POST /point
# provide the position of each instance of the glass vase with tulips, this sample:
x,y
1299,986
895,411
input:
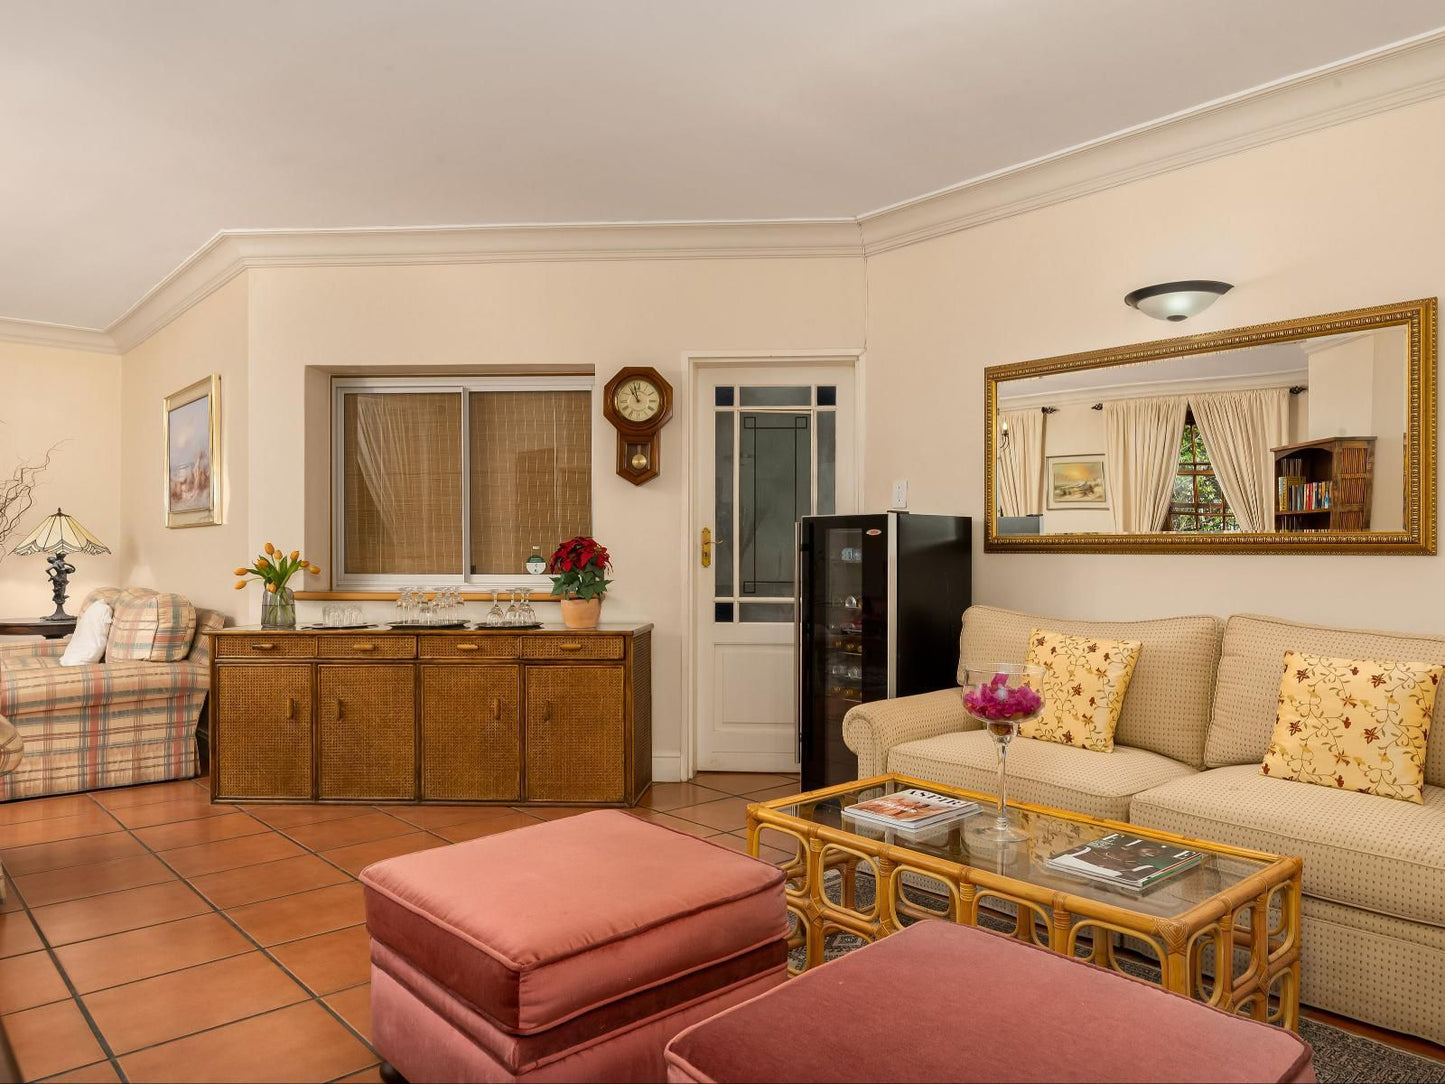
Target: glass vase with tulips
x,y
274,568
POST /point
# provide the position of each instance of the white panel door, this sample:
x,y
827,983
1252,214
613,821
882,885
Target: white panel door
x,y
775,442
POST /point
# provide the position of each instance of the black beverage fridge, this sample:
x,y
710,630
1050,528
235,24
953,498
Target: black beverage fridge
x,y
880,598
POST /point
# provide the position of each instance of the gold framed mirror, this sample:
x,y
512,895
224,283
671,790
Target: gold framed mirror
x,y
1303,436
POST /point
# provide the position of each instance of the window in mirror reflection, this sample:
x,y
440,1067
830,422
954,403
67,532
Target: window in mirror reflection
x,y
1197,503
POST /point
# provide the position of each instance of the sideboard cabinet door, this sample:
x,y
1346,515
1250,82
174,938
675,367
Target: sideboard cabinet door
x,y
575,743
471,742
263,733
366,720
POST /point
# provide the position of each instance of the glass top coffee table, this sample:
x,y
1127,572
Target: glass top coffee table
x,y
1226,931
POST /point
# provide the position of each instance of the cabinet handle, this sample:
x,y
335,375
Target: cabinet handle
x,y
365,647
290,709
569,647
268,646
497,710
466,647
340,709
547,712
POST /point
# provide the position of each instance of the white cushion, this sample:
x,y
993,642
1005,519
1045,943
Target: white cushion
x,y
92,631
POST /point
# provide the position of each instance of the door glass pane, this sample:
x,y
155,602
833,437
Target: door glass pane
x,y
827,462
722,550
774,490
765,612
777,396
844,600
402,474
531,475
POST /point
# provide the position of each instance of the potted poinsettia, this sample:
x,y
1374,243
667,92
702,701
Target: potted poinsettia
x,y
579,580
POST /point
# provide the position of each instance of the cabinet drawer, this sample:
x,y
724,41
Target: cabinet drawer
x,y
487,646
362,646
266,647
573,647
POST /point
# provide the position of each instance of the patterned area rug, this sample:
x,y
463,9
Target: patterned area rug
x,y
1340,1057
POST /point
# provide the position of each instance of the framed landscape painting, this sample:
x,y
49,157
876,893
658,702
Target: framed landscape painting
x,y
193,454
1076,481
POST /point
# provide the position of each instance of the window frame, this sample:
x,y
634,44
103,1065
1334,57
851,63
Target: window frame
x,y
341,386
1192,470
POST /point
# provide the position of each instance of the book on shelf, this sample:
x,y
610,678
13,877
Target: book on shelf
x,y
1129,862
911,810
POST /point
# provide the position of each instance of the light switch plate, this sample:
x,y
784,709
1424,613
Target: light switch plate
x,y
900,494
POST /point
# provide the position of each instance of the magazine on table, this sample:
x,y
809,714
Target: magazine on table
x,y
1130,862
910,810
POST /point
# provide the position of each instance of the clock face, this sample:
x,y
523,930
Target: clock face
x,y
637,399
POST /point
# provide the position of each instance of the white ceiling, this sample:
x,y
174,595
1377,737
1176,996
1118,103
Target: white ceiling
x,y
131,132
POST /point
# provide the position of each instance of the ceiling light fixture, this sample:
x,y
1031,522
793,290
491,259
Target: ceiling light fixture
x,y
1177,300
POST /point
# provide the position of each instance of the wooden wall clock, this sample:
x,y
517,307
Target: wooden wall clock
x,y
638,402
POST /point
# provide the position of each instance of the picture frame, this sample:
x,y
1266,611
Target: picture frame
x,y
191,441
1075,481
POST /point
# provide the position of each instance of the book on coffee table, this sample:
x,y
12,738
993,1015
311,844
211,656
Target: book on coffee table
x,y
1130,862
910,810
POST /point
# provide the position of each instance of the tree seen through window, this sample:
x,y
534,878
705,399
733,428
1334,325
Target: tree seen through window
x,y
1197,503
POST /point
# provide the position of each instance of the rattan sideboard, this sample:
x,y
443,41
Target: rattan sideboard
x,y
471,715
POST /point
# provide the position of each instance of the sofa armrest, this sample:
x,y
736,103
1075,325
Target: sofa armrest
x,y
871,730
31,686
33,649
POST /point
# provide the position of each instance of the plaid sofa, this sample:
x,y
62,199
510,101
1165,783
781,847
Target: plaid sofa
x,y
106,724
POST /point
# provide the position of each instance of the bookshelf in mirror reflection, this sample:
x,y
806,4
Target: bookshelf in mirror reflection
x,y
1324,485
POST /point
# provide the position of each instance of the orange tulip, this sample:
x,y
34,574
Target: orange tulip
x,y
270,549
295,554
242,571
261,562
240,584
315,570
271,587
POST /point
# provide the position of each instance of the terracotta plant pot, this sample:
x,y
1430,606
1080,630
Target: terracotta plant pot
x,y
578,613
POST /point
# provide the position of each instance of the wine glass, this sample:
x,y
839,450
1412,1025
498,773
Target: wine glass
x,y
529,615
495,617
513,611
1003,697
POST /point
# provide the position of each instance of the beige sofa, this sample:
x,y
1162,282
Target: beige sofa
x,y
1195,723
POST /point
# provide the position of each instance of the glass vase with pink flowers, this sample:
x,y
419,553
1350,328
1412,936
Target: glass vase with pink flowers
x,y
1002,697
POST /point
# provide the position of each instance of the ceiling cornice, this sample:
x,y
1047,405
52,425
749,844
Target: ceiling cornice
x,y
1397,75
233,251
60,336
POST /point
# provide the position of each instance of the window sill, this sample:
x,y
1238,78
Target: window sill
x,y
390,596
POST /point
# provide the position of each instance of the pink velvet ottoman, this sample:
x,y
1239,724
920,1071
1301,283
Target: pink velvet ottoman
x,y
940,1002
569,950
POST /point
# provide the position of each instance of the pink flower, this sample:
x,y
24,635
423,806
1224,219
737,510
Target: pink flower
x,y
998,700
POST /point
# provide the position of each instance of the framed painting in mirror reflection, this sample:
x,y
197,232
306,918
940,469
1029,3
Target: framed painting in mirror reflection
x,y
1077,481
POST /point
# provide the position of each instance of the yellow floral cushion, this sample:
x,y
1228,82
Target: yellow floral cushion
x,y
1084,682
1355,724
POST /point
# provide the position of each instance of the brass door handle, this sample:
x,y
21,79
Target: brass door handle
x,y
569,647
497,710
707,547
340,709
268,646
365,647
466,647
290,709
547,712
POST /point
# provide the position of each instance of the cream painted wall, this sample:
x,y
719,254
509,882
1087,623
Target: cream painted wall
x,y
1337,219
65,398
597,314
195,561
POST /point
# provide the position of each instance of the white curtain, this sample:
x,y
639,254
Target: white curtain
x,y
1020,463
1141,443
1240,429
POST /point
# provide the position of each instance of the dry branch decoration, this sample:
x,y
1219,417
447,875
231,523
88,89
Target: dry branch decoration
x,y
17,495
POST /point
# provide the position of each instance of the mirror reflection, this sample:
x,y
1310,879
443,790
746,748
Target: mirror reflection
x,y
1293,437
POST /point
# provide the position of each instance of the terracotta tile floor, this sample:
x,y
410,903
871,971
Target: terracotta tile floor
x,y
150,935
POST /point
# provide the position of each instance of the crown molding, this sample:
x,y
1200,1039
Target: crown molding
x,y
232,251
59,336
1396,75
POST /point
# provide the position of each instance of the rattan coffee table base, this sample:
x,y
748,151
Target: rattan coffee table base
x,y
1238,949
